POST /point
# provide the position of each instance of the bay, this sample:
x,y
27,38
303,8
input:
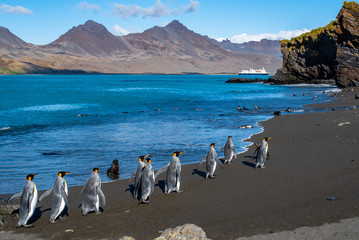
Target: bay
x,y
52,123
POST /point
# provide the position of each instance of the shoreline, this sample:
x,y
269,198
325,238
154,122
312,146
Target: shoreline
x,y
312,158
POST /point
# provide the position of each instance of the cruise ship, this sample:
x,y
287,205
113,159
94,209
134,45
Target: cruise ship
x,y
252,71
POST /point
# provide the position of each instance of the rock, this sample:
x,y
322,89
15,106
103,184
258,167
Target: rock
x,y
343,124
277,113
246,126
126,238
325,54
245,80
184,232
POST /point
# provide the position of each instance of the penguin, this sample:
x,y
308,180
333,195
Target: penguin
x,y
59,198
229,151
147,181
211,161
28,201
262,153
92,194
173,179
136,175
114,170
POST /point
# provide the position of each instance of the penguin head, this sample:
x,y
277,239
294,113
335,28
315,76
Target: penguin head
x,y
148,160
31,176
142,158
266,138
212,144
62,173
95,170
229,137
176,154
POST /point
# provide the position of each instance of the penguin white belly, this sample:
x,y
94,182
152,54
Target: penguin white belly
x,y
32,204
97,204
214,167
178,184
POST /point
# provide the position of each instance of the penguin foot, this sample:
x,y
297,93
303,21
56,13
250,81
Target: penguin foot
x,y
63,217
27,225
179,191
212,176
52,221
98,212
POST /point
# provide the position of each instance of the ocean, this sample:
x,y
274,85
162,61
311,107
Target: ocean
x,y
52,123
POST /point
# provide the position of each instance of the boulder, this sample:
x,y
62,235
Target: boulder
x,y
184,232
324,55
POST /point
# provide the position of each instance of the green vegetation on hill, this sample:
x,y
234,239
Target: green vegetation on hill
x,y
313,35
351,6
8,71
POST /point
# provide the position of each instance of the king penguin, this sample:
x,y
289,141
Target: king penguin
x,y
59,198
229,151
262,153
92,194
173,179
136,175
147,181
211,161
28,201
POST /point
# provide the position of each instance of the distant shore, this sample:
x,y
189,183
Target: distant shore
x,y
313,158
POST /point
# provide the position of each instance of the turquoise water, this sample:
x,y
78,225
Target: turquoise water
x,y
123,117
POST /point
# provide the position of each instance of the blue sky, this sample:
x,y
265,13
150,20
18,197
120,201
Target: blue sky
x,y
43,21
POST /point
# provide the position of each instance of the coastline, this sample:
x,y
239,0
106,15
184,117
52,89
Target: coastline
x,y
312,158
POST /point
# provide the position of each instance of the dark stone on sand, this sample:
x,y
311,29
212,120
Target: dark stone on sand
x,y
324,55
245,80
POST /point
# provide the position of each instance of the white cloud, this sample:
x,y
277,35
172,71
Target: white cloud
x,y
87,6
244,37
15,9
120,31
190,7
127,11
159,9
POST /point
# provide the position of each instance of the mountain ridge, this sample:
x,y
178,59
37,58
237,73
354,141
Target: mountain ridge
x,y
90,47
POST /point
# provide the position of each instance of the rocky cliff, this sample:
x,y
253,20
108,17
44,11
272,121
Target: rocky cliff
x,y
324,54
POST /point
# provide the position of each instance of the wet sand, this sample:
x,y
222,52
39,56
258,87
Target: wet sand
x,y
311,159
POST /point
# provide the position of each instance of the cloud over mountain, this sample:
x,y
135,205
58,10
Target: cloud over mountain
x,y
85,6
15,10
244,37
159,9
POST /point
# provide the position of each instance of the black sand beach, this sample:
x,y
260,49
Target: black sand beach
x,y
311,159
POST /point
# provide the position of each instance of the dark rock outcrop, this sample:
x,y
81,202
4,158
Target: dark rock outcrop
x,y
324,54
246,80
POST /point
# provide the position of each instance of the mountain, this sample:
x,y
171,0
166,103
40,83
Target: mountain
x,y
9,40
91,39
173,40
326,54
265,47
91,48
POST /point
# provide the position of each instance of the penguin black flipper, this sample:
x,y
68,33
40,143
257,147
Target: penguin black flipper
x,y
219,162
163,169
222,149
101,196
16,195
45,194
64,196
132,177
202,161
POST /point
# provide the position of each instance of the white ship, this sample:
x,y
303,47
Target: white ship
x,y
252,71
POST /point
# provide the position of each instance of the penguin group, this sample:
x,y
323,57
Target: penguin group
x,y
142,179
